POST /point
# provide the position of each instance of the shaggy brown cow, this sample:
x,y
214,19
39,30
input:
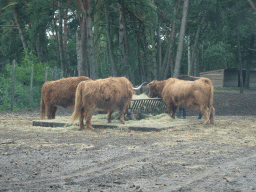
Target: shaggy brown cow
x,y
102,94
58,93
187,94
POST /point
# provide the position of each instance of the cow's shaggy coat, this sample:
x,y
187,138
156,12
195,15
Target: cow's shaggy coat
x,y
182,109
187,94
58,93
102,94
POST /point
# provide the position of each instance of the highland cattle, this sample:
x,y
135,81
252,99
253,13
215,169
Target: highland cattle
x,y
58,93
103,94
187,94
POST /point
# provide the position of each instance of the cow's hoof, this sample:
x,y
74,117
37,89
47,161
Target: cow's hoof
x,y
206,122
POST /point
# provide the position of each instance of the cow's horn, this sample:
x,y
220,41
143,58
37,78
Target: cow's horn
x,y
138,88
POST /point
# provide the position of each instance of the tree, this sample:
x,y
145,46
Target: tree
x,y
123,41
181,39
81,35
109,41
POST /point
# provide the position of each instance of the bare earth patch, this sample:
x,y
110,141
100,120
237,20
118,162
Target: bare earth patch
x,y
218,157
194,157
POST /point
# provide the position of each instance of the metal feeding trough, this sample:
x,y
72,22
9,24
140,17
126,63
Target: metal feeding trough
x,y
149,105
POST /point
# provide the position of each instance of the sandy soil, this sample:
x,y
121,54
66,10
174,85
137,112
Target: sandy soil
x,y
218,157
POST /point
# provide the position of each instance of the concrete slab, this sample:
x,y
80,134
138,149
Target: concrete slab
x,y
160,128
43,123
157,128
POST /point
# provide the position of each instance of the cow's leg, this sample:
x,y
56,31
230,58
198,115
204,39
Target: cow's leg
x,y
206,113
42,109
179,112
122,110
88,116
169,110
200,115
49,111
212,115
121,114
109,116
184,113
174,108
81,119
54,109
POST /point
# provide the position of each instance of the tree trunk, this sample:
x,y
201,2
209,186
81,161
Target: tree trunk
x,y
159,50
168,59
60,36
80,53
65,40
146,55
202,57
90,46
56,32
139,55
110,47
181,39
240,62
249,61
154,53
82,66
123,40
20,30
13,85
98,54
31,86
190,67
194,50
38,50
41,46
195,63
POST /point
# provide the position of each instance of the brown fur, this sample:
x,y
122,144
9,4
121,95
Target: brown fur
x,y
102,94
58,93
187,94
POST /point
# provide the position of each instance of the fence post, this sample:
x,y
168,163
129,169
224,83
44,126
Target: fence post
x,y
31,86
13,84
52,75
46,74
55,73
61,74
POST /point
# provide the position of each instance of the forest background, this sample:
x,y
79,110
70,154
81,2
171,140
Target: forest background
x,y
140,39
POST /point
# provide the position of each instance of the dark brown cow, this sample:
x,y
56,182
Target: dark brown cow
x,y
102,94
187,94
58,93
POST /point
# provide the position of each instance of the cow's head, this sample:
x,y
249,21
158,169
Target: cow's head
x,y
154,89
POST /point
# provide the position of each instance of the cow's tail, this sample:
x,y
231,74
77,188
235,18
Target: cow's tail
x,y
42,108
209,82
78,103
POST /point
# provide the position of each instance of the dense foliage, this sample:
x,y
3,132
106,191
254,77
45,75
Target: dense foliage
x,y
133,38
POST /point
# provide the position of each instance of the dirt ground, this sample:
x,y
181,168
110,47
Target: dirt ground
x,y
219,157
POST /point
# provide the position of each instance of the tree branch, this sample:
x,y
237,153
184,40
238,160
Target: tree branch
x,y
252,4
